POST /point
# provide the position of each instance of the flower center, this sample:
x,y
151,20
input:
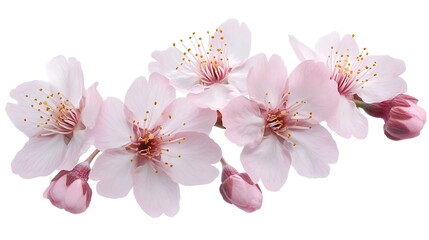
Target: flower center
x,y
57,114
146,145
281,120
210,62
350,72
149,146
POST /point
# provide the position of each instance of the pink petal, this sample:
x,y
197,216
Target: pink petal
x,y
267,81
386,84
348,120
309,85
215,97
152,96
243,121
113,130
57,193
40,156
301,50
92,105
79,144
182,115
155,192
315,149
269,161
189,161
114,169
238,75
166,63
75,200
68,77
25,115
29,92
238,39
244,195
331,43
24,119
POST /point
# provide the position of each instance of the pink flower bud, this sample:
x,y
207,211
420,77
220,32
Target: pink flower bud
x,y
69,190
402,116
406,118
238,189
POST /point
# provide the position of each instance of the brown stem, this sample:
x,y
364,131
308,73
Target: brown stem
x,y
223,162
92,156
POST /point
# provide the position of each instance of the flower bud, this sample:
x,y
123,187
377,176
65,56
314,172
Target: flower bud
x,y
402,116
238,189
69,190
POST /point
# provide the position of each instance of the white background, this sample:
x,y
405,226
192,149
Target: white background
x,y
377,190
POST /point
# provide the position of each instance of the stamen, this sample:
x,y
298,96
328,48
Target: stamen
x,y
212,66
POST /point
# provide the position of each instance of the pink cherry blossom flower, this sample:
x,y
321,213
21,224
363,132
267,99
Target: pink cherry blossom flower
x,y
69,190
57,116
372,78
402,116
151,144
279,125
239,190
213,72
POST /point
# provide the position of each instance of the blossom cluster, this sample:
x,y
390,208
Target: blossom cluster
x,y
151,142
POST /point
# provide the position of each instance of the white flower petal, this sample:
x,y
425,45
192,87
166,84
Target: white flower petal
x,y
114,169
216,97
387,83
155,192
189,161
301,50
348,120
166,63
243,121
315,149
147,100
267,82
182,115
79,143
68,77
30,97
238,39
309,86
238,75
92,105
324,47
40,156
269,161
112,130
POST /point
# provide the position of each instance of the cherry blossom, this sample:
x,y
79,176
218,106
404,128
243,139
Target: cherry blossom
x,y
57,116
212,70
151,143
239,190
356,73
69,190
403,118
279,125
